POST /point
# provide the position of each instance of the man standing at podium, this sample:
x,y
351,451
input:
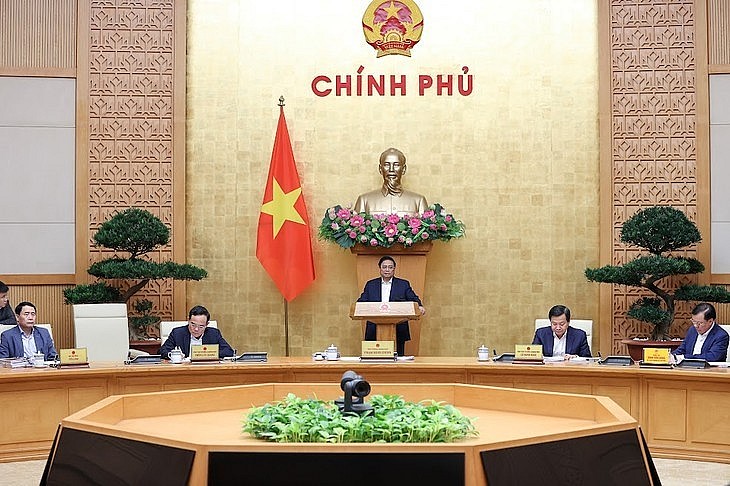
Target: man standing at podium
x,y
389,288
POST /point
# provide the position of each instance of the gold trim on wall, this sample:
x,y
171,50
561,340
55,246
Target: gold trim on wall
x,y
39,279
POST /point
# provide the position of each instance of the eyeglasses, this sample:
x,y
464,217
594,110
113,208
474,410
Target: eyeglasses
x,y
197,326
696,323
387,267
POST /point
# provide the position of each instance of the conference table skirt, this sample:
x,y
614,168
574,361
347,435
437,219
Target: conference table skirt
x,y
683,413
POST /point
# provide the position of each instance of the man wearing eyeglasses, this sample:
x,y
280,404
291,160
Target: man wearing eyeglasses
x,y
704,340
196,332
389,288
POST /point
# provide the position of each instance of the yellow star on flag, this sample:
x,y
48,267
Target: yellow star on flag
x,y
281,207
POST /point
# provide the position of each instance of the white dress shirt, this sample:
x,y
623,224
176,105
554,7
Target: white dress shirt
x,y
701,338
559,344
385,289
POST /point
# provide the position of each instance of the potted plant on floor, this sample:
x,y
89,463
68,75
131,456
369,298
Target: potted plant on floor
x,y
136,232
659,231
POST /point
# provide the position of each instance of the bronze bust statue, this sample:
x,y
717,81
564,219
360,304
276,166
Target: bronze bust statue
x,y
391,198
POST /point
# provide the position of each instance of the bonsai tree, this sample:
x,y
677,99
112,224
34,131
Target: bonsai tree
x,y
137,232
141,322
660,230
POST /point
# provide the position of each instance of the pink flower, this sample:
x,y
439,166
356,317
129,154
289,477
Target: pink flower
x,y
362,229
343,213
448,218
368,222
356,220
424,235
391,230
414,223
408,242
390,240
352,234
363,239
401,239
443,227
428,214
331,213
393,218
432,227
335,226
373,242
415,231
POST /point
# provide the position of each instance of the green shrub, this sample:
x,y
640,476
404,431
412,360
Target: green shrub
x,y
392,420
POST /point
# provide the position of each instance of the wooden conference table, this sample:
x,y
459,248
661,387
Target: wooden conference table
x,y
684,414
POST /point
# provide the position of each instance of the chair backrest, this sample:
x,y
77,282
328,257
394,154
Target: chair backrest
x,y
582,324
5,327
727,329
166,327
103,330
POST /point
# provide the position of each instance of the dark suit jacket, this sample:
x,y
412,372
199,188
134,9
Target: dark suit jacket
x,y
11,344
400,291
713,349
7,315
576,341
180,337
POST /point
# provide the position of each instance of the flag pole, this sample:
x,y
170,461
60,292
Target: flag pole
x,y
286,302
286,326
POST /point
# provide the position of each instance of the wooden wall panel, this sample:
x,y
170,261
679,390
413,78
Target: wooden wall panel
x,y
718,38
649,128
38,37
131,91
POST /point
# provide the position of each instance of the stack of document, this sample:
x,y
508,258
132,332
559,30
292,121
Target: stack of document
x,y
14,362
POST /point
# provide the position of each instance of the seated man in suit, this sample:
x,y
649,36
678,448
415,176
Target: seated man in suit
x,y
7,316
196,332
24,340
560,339
704,340
389,288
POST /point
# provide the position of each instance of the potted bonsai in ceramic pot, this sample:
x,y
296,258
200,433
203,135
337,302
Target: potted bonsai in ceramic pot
x,y
136,232
660,231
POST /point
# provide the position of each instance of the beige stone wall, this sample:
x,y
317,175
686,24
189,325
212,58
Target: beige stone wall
x,y
517,161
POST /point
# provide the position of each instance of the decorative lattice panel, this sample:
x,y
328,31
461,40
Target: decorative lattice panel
x,y
130,144
653,113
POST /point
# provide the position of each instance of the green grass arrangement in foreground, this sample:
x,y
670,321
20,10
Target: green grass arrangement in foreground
x,y
393,419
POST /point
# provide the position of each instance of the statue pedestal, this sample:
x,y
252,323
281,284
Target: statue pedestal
x,y
410,265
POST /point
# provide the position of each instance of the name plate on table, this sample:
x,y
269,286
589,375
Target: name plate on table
x,y
657,356
403,310
73,357
377,350
528,353
203,353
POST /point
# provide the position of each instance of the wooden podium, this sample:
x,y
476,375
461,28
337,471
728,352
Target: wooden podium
x,y
385,316
410,265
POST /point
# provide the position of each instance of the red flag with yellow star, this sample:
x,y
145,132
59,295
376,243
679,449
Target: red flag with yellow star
x,y
283,244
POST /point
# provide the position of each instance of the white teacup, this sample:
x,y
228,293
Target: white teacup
x,y
39,360
176,356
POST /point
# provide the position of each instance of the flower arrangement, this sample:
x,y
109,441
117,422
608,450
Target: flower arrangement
x,y
347,228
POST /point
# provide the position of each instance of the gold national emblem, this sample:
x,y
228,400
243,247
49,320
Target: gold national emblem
x,y
392,27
